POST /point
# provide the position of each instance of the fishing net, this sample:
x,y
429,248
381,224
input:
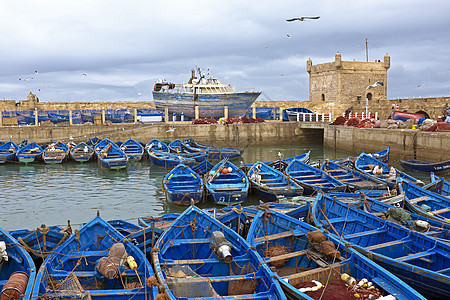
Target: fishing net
x,y
276,251
15,286
242,287
184,282
315,238
108,266
398,215
67,289
336,290
329,250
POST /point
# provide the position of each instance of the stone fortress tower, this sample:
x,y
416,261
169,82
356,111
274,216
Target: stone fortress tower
x,y
346,81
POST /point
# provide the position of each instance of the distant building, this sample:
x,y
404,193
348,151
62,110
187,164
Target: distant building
x,y
345,81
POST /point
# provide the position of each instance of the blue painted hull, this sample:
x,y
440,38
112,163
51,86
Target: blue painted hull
x,y
210,105
80,254
18,261
419,260
8,152
30,153
271,228
82,153
438,185
114,158
186,245
426,167
182,186
226,189
218,153
168,160
133,150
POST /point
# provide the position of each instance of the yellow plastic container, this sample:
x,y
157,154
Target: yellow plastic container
x,y
414,126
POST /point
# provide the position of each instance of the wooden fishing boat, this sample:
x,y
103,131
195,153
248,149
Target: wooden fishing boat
x,y
203,167
282,163
425,166
178,146
236,219
382,155
438,185
396,214
300,253
143,237
270,184
82,152
8,152
182,186
424,202
17,269
132,149
420,261
215,152
30,153
225,184
156,144
55,153
95,262
200,257
39,243
110,156
92,142
169,160
353,179
366,163
313,179
158,224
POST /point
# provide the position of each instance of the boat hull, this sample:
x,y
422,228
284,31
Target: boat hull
x,y
426,167
209,105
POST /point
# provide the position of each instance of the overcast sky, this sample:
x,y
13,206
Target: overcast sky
x,y
123,47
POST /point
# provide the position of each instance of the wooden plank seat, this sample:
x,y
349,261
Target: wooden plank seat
x,y
419,199
340,176
200,261
285,256
318,180
364,233
279,235
440,211
419,255
387,244
349,179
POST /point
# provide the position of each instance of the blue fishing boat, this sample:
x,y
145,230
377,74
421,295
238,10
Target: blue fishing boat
x,y
143,237
290,114
156,144
55,153
207,93
182,186
353,179
225,184
203,167
236,219
282,163
95,262
313,179
438,185
17,269
365,163
425,202
82,152
420,261
270,184
215,260
426,166
178,146
303,256
132,149
382,155
158,224
8,152
39,243
110,156
169,160
215,152
30,153
397,214
92,142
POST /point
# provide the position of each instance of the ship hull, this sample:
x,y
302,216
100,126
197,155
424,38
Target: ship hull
x,y
209,105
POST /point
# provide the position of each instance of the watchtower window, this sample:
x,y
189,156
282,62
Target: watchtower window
x,y
369,96
323,97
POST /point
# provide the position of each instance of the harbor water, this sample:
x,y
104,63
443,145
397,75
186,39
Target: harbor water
x,y
37,194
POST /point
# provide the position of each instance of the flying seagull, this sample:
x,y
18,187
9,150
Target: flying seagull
x,y
171,130
288,36
36,72
302,19
378,83
84,74
420,85
26,79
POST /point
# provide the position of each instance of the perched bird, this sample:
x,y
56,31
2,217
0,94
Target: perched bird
x,y
171,130
302,19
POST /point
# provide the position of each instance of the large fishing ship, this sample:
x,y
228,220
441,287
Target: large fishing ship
x,y
208,93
